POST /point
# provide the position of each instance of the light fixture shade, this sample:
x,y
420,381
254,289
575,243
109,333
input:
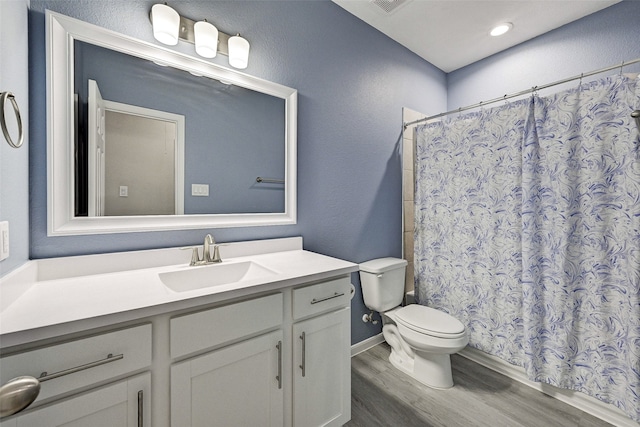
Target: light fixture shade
x,y
238,52
206,39
166,24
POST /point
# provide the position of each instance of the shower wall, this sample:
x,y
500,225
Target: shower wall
x,y
408,181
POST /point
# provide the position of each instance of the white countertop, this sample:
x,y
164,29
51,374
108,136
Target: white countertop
x,y
48,298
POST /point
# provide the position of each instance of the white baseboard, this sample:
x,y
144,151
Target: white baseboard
x,y
588,404
366,344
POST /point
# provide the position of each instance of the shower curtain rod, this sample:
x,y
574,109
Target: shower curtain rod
x,y
524,92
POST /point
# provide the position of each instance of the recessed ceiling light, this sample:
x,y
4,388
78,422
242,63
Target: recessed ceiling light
x,y
499,30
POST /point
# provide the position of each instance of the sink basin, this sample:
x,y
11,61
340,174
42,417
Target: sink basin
x,y
193,278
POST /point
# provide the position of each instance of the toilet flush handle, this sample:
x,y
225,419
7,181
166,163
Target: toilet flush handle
x,y
379,275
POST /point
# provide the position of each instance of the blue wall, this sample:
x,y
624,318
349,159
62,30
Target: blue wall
x,y
14,163
594,42
352,83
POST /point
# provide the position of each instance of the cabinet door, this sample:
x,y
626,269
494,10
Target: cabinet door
x,y
322,370
125,403
238,385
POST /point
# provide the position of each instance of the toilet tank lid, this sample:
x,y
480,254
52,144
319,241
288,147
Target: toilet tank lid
x,y
381,265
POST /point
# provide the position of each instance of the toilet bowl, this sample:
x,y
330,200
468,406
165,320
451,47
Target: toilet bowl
x,y
421,338
431,343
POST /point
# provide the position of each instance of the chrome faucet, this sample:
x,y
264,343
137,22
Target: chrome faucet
x,y
210,252
206,249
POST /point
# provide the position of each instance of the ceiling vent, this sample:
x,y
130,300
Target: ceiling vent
x,y
388,7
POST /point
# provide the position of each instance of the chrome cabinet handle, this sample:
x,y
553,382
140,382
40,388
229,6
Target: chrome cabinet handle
x,y
304,350
140,408
335,295
20,392
110,358
279,376
3,122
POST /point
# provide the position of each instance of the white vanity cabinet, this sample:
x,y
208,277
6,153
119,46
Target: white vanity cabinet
x,y
271,349
322,355
91,381
291,345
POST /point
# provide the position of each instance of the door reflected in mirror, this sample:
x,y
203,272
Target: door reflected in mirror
x,y
135,160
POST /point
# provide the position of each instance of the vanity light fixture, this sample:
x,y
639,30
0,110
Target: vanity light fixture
x,y
208,40
500,29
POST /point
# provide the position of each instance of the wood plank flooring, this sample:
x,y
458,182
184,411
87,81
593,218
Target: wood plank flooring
x,y
384,396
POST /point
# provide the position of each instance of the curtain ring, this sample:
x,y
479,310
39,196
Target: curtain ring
x,y
621,65
580,82
534,91
3,123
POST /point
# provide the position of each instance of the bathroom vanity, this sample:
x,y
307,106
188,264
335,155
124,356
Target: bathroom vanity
x,y
143,339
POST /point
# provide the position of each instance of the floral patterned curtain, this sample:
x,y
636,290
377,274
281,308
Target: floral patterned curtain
x,y
527,220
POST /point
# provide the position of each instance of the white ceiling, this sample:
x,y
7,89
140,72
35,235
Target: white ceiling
x,y
453,33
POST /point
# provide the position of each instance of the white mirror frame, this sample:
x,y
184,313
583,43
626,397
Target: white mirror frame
x,y
61,32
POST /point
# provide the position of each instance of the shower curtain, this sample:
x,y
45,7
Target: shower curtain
x,y
527,229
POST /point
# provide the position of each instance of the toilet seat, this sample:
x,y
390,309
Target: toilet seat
x,y
429,321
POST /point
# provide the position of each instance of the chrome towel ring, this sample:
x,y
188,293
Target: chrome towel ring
x,y
3,123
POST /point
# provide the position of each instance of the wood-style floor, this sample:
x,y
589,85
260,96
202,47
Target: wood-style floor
x,y
385,396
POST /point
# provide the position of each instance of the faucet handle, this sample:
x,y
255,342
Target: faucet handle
x,y
195,255
216,252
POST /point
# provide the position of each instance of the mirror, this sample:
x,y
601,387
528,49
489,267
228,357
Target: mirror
x,y
218,149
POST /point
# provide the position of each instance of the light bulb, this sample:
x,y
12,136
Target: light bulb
x,y
499,30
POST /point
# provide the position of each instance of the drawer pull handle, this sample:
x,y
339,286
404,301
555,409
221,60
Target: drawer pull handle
x,y
140,408
110,358
303,337
279,376
20,392
335,295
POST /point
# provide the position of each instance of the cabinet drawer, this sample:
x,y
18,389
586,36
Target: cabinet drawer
x,y
130,350
210,328
321,297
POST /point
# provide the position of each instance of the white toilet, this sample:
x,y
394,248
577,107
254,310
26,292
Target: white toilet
x,y
421,338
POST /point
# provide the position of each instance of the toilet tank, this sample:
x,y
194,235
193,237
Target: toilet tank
x,y
382,283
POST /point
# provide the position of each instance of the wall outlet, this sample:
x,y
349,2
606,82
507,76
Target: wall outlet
x,y
201,190
124,191
4,240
